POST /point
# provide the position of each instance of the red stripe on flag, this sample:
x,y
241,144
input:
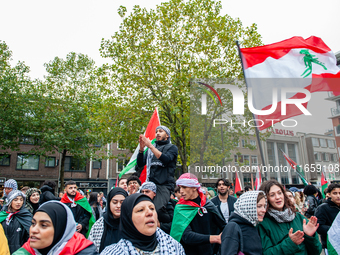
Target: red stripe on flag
x,y
257,55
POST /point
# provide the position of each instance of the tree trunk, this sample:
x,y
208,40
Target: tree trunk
x,y
62,168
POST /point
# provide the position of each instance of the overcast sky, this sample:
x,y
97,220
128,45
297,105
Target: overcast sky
x,y
38,31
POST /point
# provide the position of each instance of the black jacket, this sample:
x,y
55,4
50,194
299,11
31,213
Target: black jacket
x,y
196,237
231,237
326,213
165,216
16,233
162,170
312,205
47,194
81,216
231,201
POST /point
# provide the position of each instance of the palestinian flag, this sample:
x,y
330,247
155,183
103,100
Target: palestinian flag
x,y
150,133
333,237
238,185
324,183
308,63
296,167
82,201
258,180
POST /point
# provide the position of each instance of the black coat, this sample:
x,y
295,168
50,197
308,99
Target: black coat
x,y
313,204
231,237
81,216
165,216
90,250
16,234
47,194
326,213
231,201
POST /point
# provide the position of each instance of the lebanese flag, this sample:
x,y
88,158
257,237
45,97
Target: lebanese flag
x,y
258,180
309,63
238,185
324,182
150,133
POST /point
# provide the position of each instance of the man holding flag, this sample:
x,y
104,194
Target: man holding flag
x,y
160,159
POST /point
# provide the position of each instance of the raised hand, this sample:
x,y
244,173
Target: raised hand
x,y
311,227
297,237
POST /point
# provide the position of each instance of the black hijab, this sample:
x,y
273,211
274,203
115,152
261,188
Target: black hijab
x,y
58,215
111,225
128,229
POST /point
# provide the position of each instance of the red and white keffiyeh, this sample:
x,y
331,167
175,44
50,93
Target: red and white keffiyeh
x,y
189,180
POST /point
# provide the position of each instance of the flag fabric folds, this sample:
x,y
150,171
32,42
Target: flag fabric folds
x,y
324,183
258,180
296,167
333,237
238,185
150,133
308,63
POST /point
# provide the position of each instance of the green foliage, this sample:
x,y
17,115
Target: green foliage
x,y
15,98
156,52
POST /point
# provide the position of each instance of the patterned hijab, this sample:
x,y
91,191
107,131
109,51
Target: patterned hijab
x,y
31,207
246,206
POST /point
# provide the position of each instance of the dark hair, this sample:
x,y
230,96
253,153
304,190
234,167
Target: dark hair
x,y
70,183
247,188
51,184
310,190
239,193
133,178
25,188
266,188
333,186
177,189
260,196
121,180
225,181
93,198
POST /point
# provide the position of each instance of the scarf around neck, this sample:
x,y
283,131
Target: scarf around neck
x,y
282,216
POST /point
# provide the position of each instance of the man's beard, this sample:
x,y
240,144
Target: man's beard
x,y
71,196
224,193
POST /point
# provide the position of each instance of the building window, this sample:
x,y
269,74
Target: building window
x,y
315,142
324,156
204,176
317,156
331,144
337,130
237,143
74,164
5,160
28,140
254,161
246,160
119,147
292,151
252,142
282,160
121,162
50,162
96,164
27,162
323,143
244,143
333,157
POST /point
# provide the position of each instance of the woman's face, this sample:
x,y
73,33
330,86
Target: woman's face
x,y
34,198
261,209
276,198
116,204
144,217
17,203
41,231
98,198
291,197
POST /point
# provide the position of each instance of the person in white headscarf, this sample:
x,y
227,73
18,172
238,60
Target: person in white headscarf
x,y
241,234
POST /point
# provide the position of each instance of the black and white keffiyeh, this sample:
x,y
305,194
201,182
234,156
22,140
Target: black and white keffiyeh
x,y
166,244
282,216
246,206
96,232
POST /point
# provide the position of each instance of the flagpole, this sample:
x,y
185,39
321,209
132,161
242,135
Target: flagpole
x,y
256,129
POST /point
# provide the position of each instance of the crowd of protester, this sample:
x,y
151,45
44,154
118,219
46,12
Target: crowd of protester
x,y
196,220
164,216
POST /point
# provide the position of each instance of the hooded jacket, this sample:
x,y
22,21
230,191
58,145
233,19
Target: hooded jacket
x,y
241,230
71,243
326,213
47,194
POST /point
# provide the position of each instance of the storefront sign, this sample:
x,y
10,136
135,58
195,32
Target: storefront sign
x,y
283,132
